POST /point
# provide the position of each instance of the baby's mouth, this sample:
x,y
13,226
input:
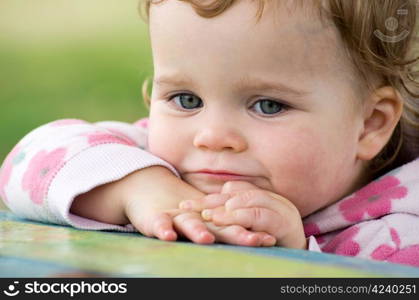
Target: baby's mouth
x,y
219,175
212,181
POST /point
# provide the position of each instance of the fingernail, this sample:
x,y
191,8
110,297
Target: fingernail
x,y
208,236
168,234
185,205
251,237
269,240
206,214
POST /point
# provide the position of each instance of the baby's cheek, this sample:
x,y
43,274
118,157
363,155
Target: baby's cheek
x,y
306,175
163,144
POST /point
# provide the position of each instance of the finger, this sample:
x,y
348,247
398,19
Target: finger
x,y
191,226
287,229
237,235
236,186
260,198
254,219
174,212
209,201
207,214
163,228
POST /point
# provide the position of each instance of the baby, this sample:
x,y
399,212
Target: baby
x,y
288,123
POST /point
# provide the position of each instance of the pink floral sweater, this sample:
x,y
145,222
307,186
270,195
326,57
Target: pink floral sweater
x,y
56,162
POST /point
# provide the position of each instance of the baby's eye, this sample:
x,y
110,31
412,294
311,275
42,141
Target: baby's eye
x,y
268,107
187,101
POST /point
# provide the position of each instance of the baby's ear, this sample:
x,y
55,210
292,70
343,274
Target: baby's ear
x,y
382,112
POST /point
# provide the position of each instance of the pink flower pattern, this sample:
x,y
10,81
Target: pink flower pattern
x,y
98,138
66,122
311,229
373,200
13,158
121,135
343,243
40,172
142,123
408,255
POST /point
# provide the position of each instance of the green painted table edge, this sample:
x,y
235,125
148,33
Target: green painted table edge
x,y
45,250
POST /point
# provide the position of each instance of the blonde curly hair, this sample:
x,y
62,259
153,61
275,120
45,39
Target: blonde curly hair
x,y
367,31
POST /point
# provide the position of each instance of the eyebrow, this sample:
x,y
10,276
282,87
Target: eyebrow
x,y
172,80
245,82
249,83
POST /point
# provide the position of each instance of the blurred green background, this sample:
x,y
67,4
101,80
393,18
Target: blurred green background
x,y
70,59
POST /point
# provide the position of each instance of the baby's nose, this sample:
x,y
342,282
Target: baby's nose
x,y
219,138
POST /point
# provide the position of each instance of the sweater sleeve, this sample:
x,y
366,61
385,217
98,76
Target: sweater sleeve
x,y
60,160
392,238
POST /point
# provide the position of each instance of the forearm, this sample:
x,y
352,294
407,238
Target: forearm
x,y
101,204
109,203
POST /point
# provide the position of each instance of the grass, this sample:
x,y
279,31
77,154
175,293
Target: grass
x,y
69,59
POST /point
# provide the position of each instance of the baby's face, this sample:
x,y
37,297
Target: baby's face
x,y
271,103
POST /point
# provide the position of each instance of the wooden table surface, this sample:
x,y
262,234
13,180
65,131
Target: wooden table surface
x,y
31,249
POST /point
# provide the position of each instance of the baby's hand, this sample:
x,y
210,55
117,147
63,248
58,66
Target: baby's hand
x,y
153,209
149,200
190,224
245,205
168,224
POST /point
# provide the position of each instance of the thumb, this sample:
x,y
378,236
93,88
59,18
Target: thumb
x,y
236,186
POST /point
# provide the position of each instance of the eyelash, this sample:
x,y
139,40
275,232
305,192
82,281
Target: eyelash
x,y
171,100
284,107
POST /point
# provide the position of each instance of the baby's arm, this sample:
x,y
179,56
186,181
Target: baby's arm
x,y
105,167
148,199
58,161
